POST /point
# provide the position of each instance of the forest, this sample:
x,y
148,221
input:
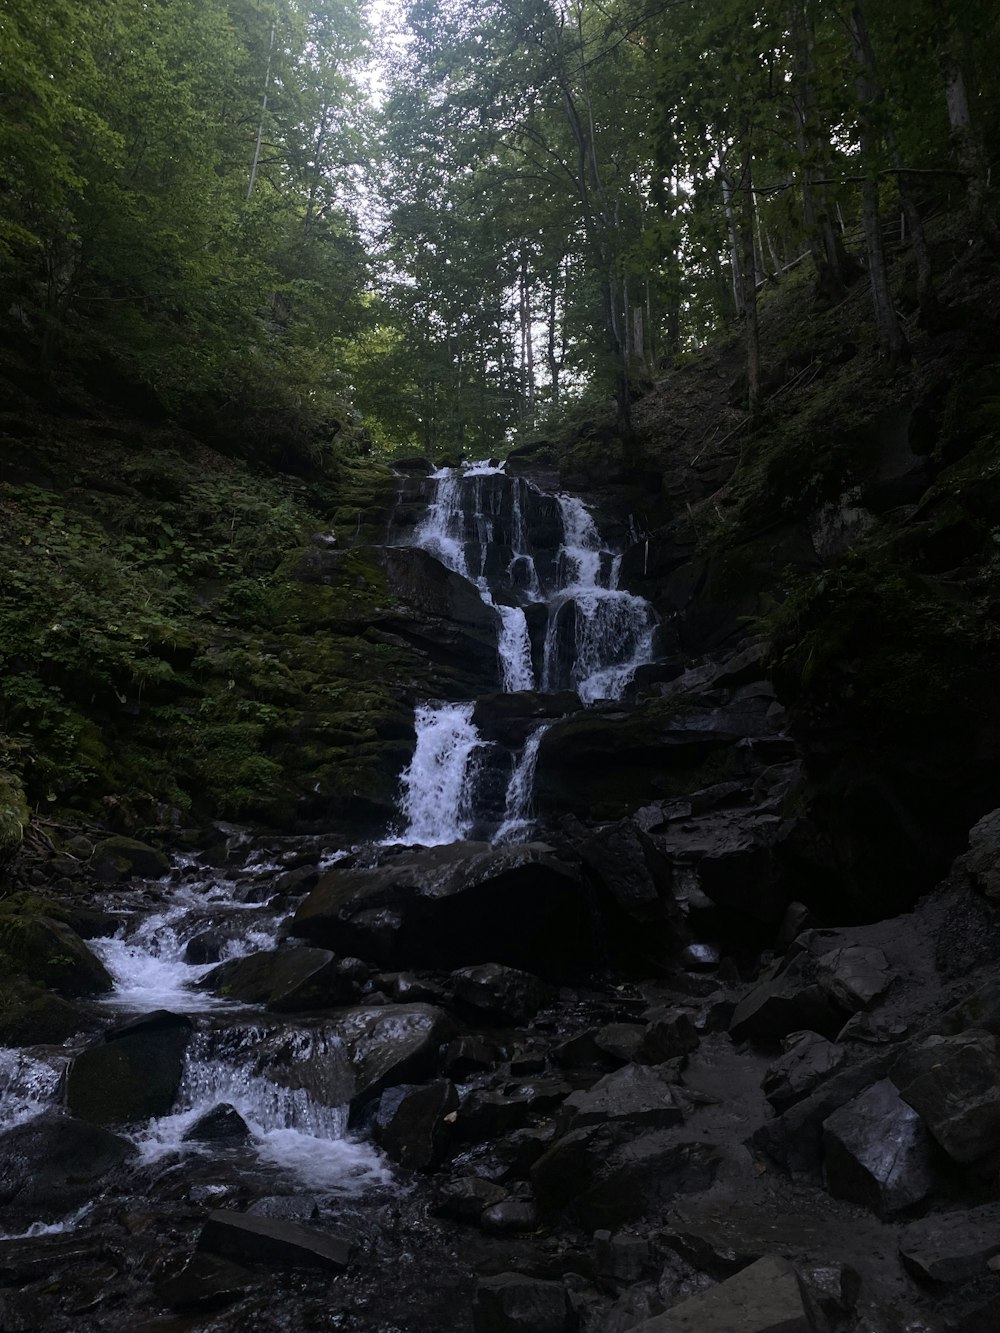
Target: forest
x,y
455,232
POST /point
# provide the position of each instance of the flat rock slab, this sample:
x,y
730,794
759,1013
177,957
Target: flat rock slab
x,y
270,1240
638,1094
723,1237
764,1298
952,1247
954,1085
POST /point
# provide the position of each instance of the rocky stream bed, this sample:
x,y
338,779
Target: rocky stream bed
x,y
545,1087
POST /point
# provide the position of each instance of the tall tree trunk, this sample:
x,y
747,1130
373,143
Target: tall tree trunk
x,y
891,338
749,277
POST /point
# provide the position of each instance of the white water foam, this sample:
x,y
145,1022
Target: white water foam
x,y
437,785
147,961
28,1085
291,1129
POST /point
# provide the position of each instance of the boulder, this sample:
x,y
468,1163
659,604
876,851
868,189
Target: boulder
x,y
31,1015
284,980
132,1075
670,1032
488,1112
638,1095
807,1060
471,1054
953,1083
855,976
606,1176
952,1247
721,1236
411,1121
878,1153
222,1125
500,994
630,870
271,1241
446,907
54,1162
764,1298
789,1001
513,1303
52,954
120,858
387,1046
466,1197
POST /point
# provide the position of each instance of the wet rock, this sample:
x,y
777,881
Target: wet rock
x,y
952,1247
133,1075
630,870
206,1282
465,1198
54,1163
510,718
119,858
500,994
764,1298
52,954
207,946
410,1123
620,1042
606,1176
513,1303
855,976
794,1140
637,1095
284,980
447,907
270,1241
878,1153
670,1032
470,1055
509,1217
808,1059
487,1113
790,1001
391,1045
953,1083
222,1125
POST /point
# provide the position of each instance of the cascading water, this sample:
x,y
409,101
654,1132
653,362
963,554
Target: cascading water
x,y
521,548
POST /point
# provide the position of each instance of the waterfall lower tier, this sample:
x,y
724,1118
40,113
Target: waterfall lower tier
x,y
437,797
517,821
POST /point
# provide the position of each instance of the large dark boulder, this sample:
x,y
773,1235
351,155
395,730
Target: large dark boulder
x,y
273,1241
54,1163
952,1246
52,954
120,858
764,1298
792,1000
391,1045
499,994
410,1123
133,1074
637,1094
461,904
953,1083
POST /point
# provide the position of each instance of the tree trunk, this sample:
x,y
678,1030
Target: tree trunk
x,y
891,338
749,279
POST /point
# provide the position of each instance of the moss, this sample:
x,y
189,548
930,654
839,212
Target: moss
x,y
14,817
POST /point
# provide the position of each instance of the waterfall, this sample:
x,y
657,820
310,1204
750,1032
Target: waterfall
x,y
517,819
520,548
437,785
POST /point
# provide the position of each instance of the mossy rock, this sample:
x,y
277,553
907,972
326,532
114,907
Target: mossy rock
x,y
31,1015
14,817
120,858
52,954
